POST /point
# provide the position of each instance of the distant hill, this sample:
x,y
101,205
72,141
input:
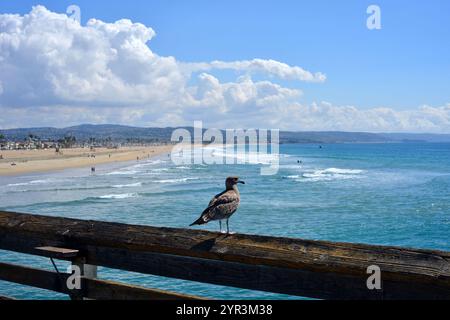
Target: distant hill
x,y
412,137
86,132
330,137
119,133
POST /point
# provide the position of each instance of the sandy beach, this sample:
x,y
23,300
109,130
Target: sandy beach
x,y
16,162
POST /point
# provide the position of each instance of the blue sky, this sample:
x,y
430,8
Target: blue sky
x,y
402,66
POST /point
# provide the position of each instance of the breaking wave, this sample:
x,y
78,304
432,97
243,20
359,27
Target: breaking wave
x,y
175,180
119,196
137,184
29,183
329,174
124,172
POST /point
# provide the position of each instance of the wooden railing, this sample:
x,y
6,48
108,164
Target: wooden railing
x,y
316,269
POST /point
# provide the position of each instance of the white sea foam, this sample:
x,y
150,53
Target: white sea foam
x,y
342,171
154,171
296,176
19,184
137,184
124,172
331,174
158,161
29,183
147,164
159,169
243,157
119,196
291,166
175,180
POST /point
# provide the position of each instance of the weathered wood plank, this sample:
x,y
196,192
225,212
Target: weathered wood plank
x,y
57,253
313,268
265,278
90,288
38,278
111,290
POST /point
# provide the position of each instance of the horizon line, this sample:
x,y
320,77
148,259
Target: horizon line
x,y
186,126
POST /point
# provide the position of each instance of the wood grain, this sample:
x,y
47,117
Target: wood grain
x,y
317,269
90,288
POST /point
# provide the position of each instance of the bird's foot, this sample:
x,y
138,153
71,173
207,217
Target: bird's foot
x,y
231,232
223,231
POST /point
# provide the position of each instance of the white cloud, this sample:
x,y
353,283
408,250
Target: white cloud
x,y
241,96
267,67
49,59
56,72
326,116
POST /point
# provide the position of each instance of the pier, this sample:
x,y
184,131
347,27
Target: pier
x,y
305,268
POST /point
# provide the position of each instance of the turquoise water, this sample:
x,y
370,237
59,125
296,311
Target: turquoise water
x,y
392,194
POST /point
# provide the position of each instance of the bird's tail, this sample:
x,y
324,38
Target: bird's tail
x,y
198,221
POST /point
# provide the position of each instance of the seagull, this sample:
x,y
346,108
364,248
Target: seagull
x,y
222,205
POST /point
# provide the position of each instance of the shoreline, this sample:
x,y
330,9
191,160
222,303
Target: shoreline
x,y
36,161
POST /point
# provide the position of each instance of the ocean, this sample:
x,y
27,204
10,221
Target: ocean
x,y
390,194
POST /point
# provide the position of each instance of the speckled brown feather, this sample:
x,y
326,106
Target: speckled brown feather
x,y
221,206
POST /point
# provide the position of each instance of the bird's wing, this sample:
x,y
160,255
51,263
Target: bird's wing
x,y
221,206
214,199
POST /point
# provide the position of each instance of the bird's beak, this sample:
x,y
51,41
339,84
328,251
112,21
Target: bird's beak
x,y
240,181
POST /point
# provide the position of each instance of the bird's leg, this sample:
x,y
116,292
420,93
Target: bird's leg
x,y
220,222
228,229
